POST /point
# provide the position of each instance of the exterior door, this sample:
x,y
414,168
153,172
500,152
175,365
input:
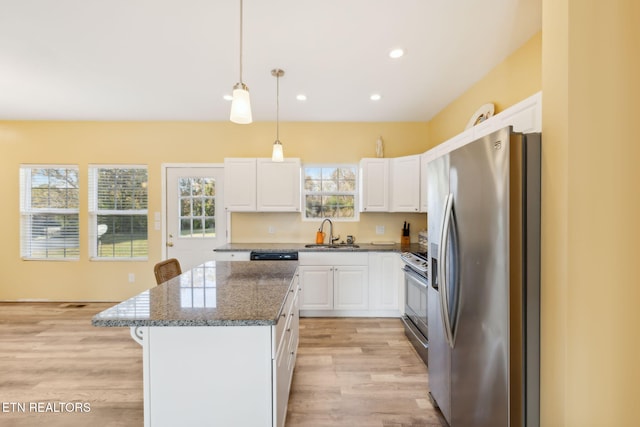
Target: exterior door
x,y
195,217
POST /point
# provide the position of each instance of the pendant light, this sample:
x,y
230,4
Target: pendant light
x,y
240,104
277,155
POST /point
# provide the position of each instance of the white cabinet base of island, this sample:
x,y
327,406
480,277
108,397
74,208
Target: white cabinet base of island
x,y
230,364
219,375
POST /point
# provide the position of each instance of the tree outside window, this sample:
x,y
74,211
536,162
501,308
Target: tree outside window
x,y
118,211
330,192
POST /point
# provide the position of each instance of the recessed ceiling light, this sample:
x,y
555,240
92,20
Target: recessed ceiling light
x,y
375,97
301,97
396,53
227,97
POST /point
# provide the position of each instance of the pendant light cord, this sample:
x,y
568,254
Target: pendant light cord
x,y
240,41
278,107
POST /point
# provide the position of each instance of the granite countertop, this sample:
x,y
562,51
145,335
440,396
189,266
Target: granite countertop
x,y
216,293
300,247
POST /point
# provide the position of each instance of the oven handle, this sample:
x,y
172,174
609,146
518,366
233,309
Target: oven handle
x,y
418,278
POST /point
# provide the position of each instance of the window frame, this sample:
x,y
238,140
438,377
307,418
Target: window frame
x,y
94,212
355,193
27,211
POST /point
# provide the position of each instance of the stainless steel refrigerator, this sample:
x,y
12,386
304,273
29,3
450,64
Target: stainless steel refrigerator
x,y
484,281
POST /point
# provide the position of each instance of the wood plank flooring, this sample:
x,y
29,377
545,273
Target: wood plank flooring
x,y
358,372
349,372
50,353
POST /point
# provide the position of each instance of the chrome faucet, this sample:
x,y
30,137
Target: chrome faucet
x,y
331,238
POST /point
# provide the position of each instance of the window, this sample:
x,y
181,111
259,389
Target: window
x,y
49,212
118,212
197,206
330,192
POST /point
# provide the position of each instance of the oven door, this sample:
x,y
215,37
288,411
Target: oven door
x,y
416,300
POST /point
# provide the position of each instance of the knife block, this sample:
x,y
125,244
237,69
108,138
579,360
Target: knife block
x,y
405,240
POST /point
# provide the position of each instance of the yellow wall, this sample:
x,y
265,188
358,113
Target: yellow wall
x,y
516,78
591,206
154,143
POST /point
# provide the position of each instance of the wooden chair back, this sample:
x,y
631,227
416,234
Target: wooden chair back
x,y
166,270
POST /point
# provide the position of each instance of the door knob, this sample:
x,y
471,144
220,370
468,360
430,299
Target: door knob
x,y
170,244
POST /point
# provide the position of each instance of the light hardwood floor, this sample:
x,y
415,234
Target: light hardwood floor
x,y
358,372
349,372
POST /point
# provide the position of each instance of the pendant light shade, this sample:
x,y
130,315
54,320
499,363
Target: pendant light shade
x,y
241,103
277,155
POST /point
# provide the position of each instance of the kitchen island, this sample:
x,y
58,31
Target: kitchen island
x,y
219,343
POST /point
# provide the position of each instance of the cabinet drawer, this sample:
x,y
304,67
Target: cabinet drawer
x,y
333,258
289,311
232,256
281,326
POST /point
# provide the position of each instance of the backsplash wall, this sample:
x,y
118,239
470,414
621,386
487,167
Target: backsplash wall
x,y
289,227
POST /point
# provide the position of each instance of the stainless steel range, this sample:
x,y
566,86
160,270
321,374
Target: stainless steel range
x,y
416,284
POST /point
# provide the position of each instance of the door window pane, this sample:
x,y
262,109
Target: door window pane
x,y
197,207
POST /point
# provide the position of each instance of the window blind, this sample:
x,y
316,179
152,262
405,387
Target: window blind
x,y
118,211
49,206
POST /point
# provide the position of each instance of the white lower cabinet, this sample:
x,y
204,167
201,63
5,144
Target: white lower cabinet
x,y
361,284
342,287
286,344
385,277
232,256
350,287
317,282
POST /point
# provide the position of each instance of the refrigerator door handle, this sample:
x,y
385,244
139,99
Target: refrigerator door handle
x,y
444,260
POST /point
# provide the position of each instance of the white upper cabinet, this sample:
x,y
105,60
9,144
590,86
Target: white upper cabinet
x,y
240,184
278,185
374,185
424,184
260,185
525,116
405,184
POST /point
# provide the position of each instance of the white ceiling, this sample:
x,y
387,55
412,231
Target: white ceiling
x,y
175,59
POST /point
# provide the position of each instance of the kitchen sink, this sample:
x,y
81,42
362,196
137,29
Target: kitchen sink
x,y
338,246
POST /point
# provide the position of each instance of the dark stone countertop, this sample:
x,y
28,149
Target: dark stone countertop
x,y
216,293
300,247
